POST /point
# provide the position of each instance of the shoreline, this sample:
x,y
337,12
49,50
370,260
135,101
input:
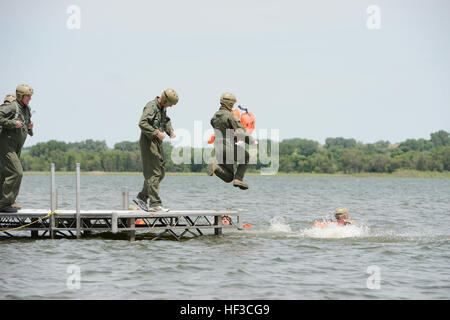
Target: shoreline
x,y
395,174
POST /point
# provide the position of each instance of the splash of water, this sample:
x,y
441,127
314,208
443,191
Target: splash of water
x,y
277,224
335,231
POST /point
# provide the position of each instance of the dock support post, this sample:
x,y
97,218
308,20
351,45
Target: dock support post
x,y
125,205
132,225
52,200
34,233
114,222
131,221
78,202
218,222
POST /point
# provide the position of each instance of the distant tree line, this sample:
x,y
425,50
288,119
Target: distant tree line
x,y
295,155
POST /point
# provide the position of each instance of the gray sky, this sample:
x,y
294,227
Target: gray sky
x,y
312,69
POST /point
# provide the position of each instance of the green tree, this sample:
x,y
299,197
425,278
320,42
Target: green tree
x,y
340,143
440,138
380,163
352,161
298,146
127,146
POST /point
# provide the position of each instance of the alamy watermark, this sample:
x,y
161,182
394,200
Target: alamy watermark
x,y
374,280
374,18
74,279
74,20
230,149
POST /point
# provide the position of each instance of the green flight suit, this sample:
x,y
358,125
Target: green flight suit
x,y
154,119
227,152
11,143
1,177
1,107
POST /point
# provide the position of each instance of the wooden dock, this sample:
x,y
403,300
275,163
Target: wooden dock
x,y
70,224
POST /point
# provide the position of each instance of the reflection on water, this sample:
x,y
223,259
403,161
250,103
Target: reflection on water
x,y
403,228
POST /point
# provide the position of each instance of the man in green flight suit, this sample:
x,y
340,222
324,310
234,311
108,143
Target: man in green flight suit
x,y
154,125
10,97
225,124
15,119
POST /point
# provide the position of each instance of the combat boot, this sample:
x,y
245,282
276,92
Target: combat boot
x,y
16,206
8,209
210,168
241,184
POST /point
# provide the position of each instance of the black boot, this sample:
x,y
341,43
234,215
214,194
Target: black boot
x,y
8,209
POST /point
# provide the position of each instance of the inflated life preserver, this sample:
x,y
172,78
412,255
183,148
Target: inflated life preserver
x,y
247,119
323,224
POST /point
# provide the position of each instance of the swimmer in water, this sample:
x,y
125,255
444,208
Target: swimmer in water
x,y
226,220
342,217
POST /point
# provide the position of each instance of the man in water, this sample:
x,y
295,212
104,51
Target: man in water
x,y
15,119
154,125
227,152
342,217
226,220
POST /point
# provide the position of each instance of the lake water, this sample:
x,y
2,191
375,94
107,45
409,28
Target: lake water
x,y
402,241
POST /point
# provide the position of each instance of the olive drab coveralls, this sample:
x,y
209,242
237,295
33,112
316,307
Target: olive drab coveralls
x,y
154,119
227,152
1,107
11,143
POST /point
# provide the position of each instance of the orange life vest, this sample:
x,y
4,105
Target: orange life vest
x,y
247,119
323,224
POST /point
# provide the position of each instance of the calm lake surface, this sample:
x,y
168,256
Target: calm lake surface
x,y
404,234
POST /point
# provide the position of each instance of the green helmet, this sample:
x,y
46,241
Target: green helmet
x,y
169,97
10,97
341,212
228,100
23,89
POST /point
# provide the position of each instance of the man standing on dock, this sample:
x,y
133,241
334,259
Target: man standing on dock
x,y
154,125
10,97
225,123
15,119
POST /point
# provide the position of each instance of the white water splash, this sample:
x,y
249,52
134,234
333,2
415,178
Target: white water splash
x,y
277,224
334,231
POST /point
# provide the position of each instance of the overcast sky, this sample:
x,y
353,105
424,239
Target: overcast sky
x,y
312,69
